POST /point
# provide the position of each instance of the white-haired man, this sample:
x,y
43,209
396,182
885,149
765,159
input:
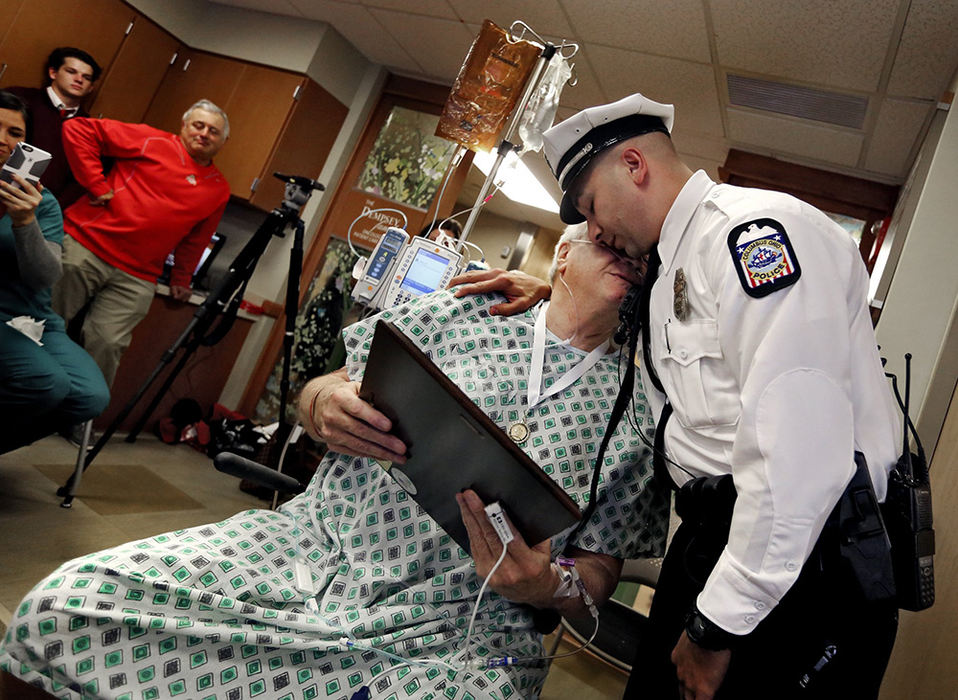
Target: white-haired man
x,y
162,193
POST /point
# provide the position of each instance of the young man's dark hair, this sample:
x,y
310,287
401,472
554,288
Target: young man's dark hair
x,y
60,54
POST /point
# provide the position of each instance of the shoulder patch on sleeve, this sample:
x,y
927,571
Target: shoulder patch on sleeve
x,y
763,257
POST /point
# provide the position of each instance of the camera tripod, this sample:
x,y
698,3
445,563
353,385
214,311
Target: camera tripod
x,y
223,304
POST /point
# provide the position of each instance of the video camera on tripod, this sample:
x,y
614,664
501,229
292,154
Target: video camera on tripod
x,y
223,303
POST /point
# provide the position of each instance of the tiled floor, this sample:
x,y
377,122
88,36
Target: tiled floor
x,y
37,534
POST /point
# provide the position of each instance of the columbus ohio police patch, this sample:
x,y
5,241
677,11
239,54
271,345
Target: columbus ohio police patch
x,y
763,257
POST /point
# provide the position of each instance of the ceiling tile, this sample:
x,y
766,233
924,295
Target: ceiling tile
x,y
674,28
433,8
543,17
894,137
689,86
823,42
587,90
928,53
277,7
362,30
781,135
439,46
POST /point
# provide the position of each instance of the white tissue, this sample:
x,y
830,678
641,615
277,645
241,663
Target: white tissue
x,y
29,326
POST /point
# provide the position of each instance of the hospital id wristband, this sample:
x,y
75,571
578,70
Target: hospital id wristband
x,y
566,587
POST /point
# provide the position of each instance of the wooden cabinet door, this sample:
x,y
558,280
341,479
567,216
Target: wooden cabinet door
x,y
258,110
305,143
11,9
96,26
127,89
194,76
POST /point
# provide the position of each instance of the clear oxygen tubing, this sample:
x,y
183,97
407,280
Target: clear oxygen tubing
x,y
457,157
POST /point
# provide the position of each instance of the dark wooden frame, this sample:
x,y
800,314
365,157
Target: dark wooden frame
x,y
832,192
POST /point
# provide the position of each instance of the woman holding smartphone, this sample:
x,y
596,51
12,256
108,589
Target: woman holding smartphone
x,y
46,380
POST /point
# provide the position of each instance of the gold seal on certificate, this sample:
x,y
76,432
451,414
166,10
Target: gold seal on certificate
x,y
518,432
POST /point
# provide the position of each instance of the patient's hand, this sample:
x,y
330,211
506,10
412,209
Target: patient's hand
x,y
523,291
524,575
330,409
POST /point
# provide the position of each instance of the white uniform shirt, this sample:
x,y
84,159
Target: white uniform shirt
x,y
779,390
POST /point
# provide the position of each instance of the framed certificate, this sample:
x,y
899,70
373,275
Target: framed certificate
x,y
454,446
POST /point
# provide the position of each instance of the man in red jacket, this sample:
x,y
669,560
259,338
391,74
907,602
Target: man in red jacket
x,y
162,194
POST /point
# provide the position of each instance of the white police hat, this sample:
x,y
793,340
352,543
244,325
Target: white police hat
x,y
570,146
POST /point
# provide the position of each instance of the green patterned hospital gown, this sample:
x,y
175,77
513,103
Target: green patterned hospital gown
x,y
218,611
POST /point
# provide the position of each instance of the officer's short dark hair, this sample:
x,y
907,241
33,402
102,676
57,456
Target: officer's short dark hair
x,y
60,54
10,101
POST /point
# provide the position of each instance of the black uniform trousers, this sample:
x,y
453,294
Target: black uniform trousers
x,y
821,622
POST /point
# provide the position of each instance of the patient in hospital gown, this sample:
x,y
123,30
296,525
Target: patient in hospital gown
x,y
350,584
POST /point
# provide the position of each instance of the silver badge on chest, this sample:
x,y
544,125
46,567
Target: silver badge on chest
x,y
680,296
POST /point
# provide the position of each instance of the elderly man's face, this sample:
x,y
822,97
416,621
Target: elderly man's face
x,y
202,135
600,270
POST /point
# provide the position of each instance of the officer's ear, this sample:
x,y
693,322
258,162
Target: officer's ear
x,y
636,163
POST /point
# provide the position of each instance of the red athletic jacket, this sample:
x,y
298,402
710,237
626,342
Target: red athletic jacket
x,y
163,200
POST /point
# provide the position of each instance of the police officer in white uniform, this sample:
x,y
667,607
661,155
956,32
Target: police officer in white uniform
x,y
759,337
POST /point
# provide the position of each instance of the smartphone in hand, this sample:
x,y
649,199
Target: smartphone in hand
x,y
27,161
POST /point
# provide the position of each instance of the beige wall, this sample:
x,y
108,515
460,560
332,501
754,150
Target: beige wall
x,y
922,665
492,233
920,316
540,256
919,311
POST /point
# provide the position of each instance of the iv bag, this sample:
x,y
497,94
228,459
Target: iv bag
x,y
489,85
541,108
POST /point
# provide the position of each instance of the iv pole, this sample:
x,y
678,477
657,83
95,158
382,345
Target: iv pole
x,y
505,146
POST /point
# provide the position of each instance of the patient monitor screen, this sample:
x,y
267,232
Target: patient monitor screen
x,y
424,273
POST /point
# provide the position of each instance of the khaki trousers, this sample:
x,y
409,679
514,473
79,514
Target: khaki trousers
x,y
117,302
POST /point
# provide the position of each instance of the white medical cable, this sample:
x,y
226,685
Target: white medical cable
x,y
475,609
282,459
593,611
482,255
457,156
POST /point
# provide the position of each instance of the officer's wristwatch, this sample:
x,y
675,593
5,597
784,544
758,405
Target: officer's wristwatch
x,y
706,633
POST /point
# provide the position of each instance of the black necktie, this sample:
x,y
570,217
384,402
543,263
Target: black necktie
x,y
658,445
